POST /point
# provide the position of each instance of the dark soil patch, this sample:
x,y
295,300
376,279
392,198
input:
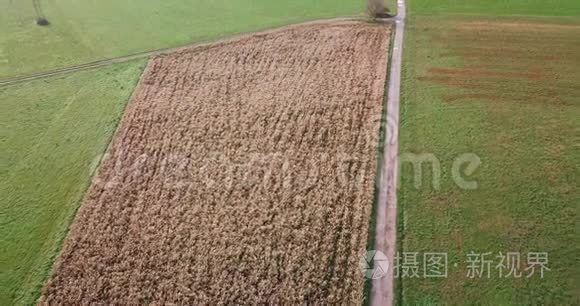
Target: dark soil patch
x,y
473,72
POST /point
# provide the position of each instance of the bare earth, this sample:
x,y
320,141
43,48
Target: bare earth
x,y
240,173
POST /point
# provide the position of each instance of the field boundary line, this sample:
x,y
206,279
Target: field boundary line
x,y
492,16
167,51
383,289
80,204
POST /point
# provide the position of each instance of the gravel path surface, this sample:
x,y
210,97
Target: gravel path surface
x,y
383,289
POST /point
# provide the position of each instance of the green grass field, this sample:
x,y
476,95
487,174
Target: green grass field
x,y
497,7
85,31
507,90
53,133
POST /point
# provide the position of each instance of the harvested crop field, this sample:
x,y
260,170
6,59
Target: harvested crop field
x,y
241,173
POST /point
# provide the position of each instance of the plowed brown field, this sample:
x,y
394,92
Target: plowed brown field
x,y
241,173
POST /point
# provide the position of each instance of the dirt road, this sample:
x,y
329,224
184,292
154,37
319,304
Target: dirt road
x,y
382,292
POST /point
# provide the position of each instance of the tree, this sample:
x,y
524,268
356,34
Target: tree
x,y
40,19
377,9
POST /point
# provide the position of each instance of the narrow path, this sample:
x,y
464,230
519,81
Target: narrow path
x,y
383,289
145,54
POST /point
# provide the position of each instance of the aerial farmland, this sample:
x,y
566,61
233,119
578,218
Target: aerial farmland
x,y
344,152
289,170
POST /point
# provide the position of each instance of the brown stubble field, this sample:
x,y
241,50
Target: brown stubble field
x,y
240,173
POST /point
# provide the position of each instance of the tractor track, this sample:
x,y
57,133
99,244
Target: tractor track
x,y
163,51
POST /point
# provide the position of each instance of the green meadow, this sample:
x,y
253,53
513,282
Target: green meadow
x,y
496,7
53,134
506,90
86,31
